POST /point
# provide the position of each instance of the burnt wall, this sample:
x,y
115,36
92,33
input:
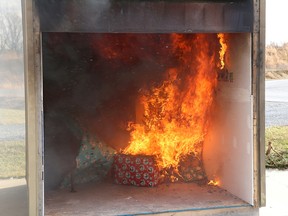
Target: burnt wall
x,y
145,16
94,79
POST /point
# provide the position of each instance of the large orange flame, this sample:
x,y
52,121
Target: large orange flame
x,y
178,111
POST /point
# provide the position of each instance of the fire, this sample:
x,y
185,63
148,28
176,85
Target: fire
x,y
213,183
177,111
223,50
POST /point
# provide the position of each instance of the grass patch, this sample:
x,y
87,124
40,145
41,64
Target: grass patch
x,y
12,157
278,157
12,116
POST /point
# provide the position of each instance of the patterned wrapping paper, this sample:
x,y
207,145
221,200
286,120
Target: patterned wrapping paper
x,y
137,170
191,169
94,161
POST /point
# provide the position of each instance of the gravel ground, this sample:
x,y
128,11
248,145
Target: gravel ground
x,y
12,102
276,114
276,90
276,109
12,132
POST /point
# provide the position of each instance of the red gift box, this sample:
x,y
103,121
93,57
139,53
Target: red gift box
x,y
137,170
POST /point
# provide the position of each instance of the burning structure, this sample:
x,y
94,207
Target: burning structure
x,y
176,103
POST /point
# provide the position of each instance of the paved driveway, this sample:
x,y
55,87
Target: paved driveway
x,y
276,103
13,197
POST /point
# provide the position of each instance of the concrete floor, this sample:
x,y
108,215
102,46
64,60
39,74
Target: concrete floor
x,y
13,197
276,193
109,199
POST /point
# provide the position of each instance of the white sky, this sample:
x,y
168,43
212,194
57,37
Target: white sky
x,y
276,21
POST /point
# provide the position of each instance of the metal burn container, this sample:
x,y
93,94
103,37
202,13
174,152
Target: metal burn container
x,y
92,67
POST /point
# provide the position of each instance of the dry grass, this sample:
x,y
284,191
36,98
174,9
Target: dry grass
x,y
275,74
277,56
278,136
276,61
12,116
12,157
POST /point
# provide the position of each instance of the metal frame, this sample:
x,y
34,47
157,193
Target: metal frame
x,y
258,92
34,104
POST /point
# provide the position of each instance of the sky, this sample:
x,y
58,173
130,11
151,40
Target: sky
x,y
276,21
10,6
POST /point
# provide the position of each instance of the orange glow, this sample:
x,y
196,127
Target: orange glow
x,y
213,183
178,111
223,50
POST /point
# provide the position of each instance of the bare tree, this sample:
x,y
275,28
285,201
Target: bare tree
x,y
10,32
2,34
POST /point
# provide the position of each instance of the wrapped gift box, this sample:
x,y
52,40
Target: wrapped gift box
x,y
137,170
191,169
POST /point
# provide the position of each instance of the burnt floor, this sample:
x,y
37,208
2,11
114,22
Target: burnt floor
x,y
110,199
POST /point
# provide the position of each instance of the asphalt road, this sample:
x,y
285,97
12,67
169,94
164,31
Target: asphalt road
x,y
277,91
276,97
12,132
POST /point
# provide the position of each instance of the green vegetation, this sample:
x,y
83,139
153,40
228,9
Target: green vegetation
x,y
12,152
278,155
12,157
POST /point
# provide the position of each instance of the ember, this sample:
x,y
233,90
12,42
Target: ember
x,y
213,183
